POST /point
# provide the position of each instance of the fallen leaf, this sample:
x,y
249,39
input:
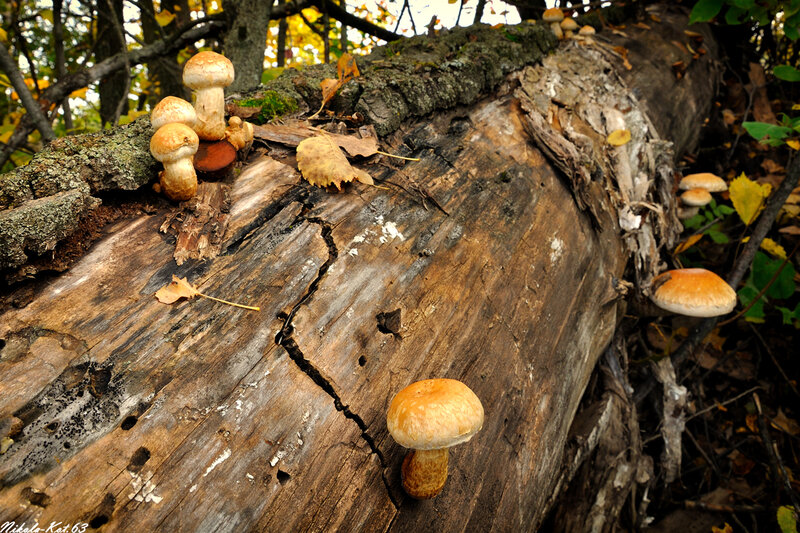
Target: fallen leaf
x,y
752,422
724,529
790,230
786,519
180,288
346,69
323,163
355,146
623,53
688,243
785,424
619,137
748,197
793,144
773,248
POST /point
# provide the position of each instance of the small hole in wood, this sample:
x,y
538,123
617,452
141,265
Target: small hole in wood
x,y
128,423
98,521
35,497
283,477
362,360
67,445
2,343
51,427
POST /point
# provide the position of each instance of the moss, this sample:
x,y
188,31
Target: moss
x,y
272,104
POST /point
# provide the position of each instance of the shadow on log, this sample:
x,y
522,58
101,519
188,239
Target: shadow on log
x,y
119,410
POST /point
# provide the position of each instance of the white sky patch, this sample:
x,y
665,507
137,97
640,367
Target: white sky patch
x,y
557,249
219,460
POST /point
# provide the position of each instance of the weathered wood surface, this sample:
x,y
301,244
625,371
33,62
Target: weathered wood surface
x,y
129,413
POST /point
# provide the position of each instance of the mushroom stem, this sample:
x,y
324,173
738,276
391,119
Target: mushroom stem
x,y
178,180
210,108
424,472
556,27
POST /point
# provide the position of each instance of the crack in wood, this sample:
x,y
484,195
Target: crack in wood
x,y
286,341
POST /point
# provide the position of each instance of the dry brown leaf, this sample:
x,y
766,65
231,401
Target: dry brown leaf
x,y
790,230
623,53
294,133
180,288
346,69
785,424
688,243
364,147
323,163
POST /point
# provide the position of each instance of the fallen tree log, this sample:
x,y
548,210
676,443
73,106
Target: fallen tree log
x,y
119,410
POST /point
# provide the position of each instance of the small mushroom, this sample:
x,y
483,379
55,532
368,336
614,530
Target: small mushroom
x,y
554,16
174,145
703,180
586,31
208,73
569,26
429,416
693,292
685,213
172,109
696,197
239,134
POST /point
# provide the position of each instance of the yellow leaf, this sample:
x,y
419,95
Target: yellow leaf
x,y
180,288
164,17
3,35
5,136
773,248
323,163
796,107
47,14
793,143
80,93
748,197
724,529
688,243
619,137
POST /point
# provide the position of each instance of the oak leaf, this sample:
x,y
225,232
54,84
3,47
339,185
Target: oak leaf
x,y
323,163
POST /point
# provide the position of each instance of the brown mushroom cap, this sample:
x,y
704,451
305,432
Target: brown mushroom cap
x,y
433,414
696,197
569,24
693,292
207,69
703,180
173,141
586,30
553,14
173,109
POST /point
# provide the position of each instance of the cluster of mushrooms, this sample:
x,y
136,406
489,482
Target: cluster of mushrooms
x,y
694,291
181,127
565,27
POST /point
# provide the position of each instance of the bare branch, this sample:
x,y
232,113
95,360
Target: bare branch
x,y
61,62
351,20
32,106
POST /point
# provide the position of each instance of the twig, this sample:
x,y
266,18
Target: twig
x,y
726,402
33,107
779,470
353,21
719,508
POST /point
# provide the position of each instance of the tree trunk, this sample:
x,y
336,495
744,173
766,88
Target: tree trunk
x,y
164,71
503,249
114,87
246,40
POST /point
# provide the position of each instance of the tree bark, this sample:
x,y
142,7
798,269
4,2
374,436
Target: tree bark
x,y
114,87
246,40
122,410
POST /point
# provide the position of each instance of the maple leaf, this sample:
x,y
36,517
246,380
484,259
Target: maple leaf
x,y
346,70
180,288
323,163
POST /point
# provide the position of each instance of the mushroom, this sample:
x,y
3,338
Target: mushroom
x,y
569,26
239,133
693,292
208,73
429,416
685,213
703,180
172,109
174,145
696,197
554,16
586,31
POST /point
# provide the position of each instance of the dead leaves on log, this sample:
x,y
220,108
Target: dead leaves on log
x,y
323,163
346,70
180,288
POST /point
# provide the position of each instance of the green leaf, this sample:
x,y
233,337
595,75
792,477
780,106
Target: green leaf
x,y
786,520
786,72
743,4
764,267
734,16
756,313
790,318
725,210
717,236
760,130
694,222
705,10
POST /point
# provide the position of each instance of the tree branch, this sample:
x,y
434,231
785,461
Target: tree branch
x,y
32,106
353,21
61,62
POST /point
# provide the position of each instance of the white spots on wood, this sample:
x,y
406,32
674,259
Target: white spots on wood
x,y
277,457
629,221
218,461
194,488
390,232
238,405
556,250
352,251
143,490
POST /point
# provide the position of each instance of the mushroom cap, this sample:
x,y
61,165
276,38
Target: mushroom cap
x,y
586,30
703,180
693,292
696,197
569,24
173,109
553,14
434,413
173,141
207,69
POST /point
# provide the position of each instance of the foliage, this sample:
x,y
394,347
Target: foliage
x,y
761,12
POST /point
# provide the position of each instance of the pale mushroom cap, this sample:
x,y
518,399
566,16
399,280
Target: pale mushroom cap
x,y
586,30
696,197
433,414
703,180
173,109
694,292
569,24
207,69
173,141
553,14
